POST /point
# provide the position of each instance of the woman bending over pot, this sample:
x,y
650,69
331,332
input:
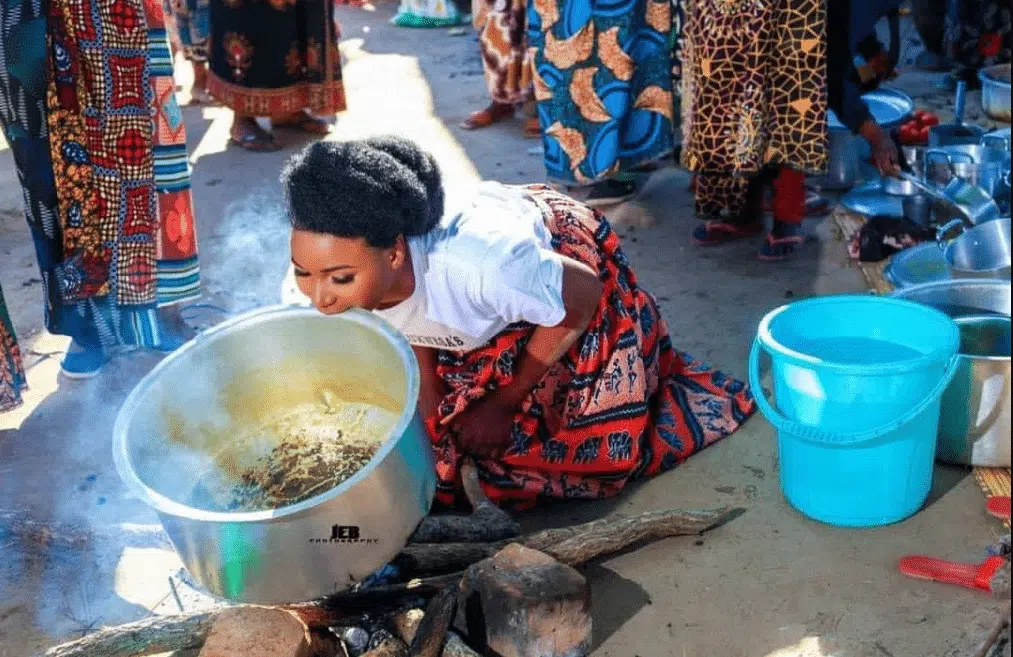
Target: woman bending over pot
x,y
541,355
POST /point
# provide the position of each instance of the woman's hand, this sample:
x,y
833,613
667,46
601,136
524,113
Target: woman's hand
x,y
884,151
484,428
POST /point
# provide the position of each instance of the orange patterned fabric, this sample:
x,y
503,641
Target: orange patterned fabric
x,y
12,370
622,404
506,59
754,85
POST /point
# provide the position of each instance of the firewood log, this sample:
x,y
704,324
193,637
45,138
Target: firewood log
x,y
572,546
487,521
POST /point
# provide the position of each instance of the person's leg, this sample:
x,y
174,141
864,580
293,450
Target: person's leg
x,y
789,211
731,207
492,24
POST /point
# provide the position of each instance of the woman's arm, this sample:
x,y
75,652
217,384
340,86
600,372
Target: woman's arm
x,y
581,295
431,390
484,429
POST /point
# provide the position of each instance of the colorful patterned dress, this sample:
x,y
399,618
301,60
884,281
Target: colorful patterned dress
x,y
100,149
272,58
503,42
753,94
622,404
12,371
603,82
189,25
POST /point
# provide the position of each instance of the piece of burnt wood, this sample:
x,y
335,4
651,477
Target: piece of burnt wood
x,y
524,603
572,545
487,521
150,636
431,634
251,630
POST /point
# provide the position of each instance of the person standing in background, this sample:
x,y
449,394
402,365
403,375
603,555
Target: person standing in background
x,y
754,113
603,84
188,22
277,59
88,106
506,63
12,370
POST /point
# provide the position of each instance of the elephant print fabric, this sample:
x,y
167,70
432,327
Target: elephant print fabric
x,y
603,83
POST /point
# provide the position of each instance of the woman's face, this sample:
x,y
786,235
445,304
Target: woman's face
x,y
339,273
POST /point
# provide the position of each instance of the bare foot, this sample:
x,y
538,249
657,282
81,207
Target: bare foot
x,y
247,134
304,121
495,113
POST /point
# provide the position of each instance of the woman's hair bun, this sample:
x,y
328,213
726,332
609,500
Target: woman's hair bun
x,y
376,188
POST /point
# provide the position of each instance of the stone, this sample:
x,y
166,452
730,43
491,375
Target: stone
x,y
261,631
527,604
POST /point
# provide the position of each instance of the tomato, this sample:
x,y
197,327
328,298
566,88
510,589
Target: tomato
x,y
930,120
923,135
907,134
919,114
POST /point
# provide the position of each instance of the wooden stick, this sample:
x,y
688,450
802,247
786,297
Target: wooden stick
x,y
146,637
571,545
487,521
431,634
993,634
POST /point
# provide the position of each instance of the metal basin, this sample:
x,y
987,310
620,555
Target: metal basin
x,y
974,426
179,416
995,92
979,252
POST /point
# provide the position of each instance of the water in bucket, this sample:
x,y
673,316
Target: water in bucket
x,y
857,383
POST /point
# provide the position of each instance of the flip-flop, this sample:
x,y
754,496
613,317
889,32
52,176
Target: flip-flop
x,y
999,506
779,249
484,118
714,233
256,143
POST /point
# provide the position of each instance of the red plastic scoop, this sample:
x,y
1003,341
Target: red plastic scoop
x,y
998,507
981,576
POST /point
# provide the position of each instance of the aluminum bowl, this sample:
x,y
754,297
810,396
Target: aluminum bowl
x,y
179,416
995,92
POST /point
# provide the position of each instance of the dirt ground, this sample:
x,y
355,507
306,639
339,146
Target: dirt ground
x,y
769,581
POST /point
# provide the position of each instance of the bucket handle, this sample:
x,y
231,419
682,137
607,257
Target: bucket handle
x,y
812,434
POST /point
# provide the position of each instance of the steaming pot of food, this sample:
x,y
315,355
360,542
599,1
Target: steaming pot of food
x,y
281,452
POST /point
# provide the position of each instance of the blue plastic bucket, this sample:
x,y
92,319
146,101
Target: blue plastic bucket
x,y
857,387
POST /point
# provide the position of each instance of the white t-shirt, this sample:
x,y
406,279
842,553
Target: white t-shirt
x,y
487,266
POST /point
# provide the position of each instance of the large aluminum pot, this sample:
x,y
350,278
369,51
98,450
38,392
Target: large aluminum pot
x,y
974,426
178,417
979,252
995,92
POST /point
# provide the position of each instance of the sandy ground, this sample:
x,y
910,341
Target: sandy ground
x,y
770,581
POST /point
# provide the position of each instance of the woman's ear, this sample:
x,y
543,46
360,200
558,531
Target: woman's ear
x,y
399,252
